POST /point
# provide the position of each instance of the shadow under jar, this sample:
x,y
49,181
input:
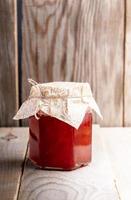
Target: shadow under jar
x,y
54,144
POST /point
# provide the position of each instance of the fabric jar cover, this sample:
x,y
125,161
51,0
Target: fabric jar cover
x,y
66,101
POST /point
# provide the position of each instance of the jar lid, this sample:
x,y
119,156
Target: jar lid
x,y
66,101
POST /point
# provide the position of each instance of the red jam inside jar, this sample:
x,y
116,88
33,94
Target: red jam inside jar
x,y
57,145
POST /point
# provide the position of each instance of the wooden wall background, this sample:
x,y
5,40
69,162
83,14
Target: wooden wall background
x,y
66,40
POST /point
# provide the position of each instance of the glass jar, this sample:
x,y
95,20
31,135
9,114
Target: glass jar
x,y
54,144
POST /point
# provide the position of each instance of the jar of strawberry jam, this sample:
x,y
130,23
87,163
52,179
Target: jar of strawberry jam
x,y
57,145
60,124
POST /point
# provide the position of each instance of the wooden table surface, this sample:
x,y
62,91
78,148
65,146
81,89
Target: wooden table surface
x,y
108,177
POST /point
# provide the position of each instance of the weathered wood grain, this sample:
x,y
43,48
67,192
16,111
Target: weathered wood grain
x,y
92,182
117,142
8,63
127,85
76,40
107,60
13,145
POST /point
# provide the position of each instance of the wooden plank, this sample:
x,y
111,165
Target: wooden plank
x,y
108,60
118,146
92,182
13,146
8,63
127,95
76,40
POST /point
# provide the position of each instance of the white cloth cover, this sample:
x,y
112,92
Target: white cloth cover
x,y
66,101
